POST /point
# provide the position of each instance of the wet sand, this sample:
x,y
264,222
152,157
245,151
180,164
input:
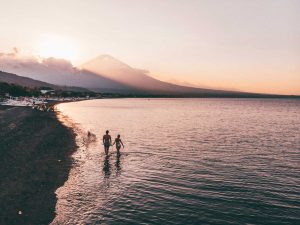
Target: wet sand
x,y
35,160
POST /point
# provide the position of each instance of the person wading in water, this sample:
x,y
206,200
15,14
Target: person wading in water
x,y
118,143
106,142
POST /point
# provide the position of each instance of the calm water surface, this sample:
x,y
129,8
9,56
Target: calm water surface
x,y
186,161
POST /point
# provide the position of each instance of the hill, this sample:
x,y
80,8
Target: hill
x,y
31,83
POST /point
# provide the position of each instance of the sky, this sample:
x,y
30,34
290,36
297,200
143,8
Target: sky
x,y
229,44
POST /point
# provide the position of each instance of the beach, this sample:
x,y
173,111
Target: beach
x,y
35,160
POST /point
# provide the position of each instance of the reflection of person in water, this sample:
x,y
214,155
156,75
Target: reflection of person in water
x,y
118,165
106,142
118,143
106,167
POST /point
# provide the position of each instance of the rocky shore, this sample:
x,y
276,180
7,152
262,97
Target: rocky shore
x,y
35,160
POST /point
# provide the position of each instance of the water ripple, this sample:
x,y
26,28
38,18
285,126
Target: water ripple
x,y
186,161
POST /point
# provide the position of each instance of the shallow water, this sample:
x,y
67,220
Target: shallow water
x,y
185,161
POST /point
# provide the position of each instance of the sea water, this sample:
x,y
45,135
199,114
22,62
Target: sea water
x,y
185,161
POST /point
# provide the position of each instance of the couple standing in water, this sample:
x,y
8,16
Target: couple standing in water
x,y
107,142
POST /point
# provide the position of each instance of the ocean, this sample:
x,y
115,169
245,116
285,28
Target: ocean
x,y
185,161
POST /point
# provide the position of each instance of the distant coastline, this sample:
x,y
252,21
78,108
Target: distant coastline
x,y
14,85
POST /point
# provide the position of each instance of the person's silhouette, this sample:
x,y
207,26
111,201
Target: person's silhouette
x,y
118,143
106,142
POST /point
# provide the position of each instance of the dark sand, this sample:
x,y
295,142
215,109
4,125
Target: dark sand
x,y
35,160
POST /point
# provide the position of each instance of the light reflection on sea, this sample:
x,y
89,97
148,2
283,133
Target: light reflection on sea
x,y
186,161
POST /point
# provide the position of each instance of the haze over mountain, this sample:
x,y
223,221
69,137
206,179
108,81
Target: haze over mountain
x,y
110,67
198,85
103,74
113,68
116,70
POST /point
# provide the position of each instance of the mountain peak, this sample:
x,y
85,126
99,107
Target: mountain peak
x,y
106,61
106,56
109,66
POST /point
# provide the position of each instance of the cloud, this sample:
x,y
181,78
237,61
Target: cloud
x,y
36,67
16,57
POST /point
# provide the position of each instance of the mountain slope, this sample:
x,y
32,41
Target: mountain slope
x,y
31,83
116,70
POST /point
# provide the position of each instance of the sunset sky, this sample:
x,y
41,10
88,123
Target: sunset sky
x,y
249,45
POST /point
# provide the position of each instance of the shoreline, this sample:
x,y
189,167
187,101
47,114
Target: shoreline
x,y
35,160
